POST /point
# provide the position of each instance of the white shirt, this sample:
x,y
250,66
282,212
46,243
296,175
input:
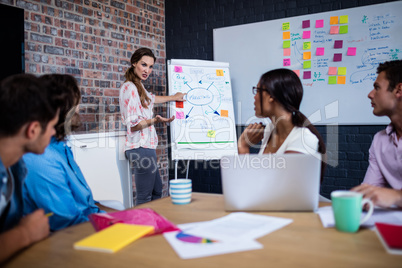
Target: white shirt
x,y
300,139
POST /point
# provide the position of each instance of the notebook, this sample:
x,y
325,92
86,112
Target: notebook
x,y
390,236
113,238
287,182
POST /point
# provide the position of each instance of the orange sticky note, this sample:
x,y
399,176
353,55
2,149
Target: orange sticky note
x,y
286,52
219,72
342,80
306,55
179,104
286,35
333,20
224,113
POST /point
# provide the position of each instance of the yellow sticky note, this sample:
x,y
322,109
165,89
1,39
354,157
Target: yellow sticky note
x,y
306,45
285,26
286,35
224,113
342,80
306,55
211,134
343,19
219,72
333,20
341,70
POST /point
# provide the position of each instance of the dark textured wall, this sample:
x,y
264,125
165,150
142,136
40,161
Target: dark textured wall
x,y
189,27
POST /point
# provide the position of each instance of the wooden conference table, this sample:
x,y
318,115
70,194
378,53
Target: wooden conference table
x,y
303,243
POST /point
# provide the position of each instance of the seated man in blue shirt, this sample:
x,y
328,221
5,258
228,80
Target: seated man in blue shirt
x,y
54,181
27,121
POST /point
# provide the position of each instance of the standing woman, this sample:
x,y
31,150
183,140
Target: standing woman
x,y
136,105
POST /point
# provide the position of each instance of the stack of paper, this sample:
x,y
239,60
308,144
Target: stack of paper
x,y
232,233
113,238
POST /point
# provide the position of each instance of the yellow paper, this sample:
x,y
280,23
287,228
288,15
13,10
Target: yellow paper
x,y
211,134
343,19
306,45
113,238
219,72
285,26
341,70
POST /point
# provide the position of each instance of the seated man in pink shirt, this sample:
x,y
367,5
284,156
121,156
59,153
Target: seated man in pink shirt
x,y
383,181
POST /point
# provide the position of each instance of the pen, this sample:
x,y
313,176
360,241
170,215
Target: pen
x,y
49,214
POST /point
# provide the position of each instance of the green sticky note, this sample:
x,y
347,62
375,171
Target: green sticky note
x,y
343,19
307,64
332,80
341,70
306,45
343,29
285,26
286,44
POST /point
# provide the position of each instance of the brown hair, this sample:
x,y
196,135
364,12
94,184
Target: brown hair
x,y
132,77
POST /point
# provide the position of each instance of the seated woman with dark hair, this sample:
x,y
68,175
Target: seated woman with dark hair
x,y
278,96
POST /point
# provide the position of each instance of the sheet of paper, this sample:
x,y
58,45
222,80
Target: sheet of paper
x,y
239,226
379,215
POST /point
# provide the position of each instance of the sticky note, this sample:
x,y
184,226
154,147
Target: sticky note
x,y
344,19
319,51
306,55
342,80
351,51
179,104
332,70
211,133
307,64
286,44
337,57
307,75
286,52
333,20
343,29
341,70
285,26
338,44
306,45
286,62
334,30
286,35
306,24
297,72
224,113
179,115
319,23
178,69
332,80
219,72
306,34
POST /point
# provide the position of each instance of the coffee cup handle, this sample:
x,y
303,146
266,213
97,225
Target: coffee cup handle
x,y
370,212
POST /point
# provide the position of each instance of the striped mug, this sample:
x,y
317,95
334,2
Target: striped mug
x,y
180,191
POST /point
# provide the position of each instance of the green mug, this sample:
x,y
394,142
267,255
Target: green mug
x,y
347,207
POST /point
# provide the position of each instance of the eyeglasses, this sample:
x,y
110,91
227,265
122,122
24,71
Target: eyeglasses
x,y
257,89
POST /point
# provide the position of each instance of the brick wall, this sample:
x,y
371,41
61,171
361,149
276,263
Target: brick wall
x,y
189,35
93,41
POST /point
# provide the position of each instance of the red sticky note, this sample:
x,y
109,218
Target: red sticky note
x,y
319,51
179,104
178,69
337,57
286,62
306,74
338,44
179,115
306,24
306,34
351,51
319,23
286,52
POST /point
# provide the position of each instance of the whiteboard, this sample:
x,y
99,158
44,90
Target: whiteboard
x,y
253,49
204,127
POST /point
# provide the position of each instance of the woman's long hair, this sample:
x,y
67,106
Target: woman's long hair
x,y
285,86
132,77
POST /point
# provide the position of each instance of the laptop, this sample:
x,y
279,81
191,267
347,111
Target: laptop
x,y
287,182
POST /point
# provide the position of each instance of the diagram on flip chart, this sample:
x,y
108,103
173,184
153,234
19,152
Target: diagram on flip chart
x,y
206,119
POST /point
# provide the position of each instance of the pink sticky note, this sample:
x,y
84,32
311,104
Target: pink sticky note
x,y
338,44
351,51
319,23
306,24
332,70
307,75
319,51
334,30
338,57
179,115
306,34
178,69
297,72
286,62
286,52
